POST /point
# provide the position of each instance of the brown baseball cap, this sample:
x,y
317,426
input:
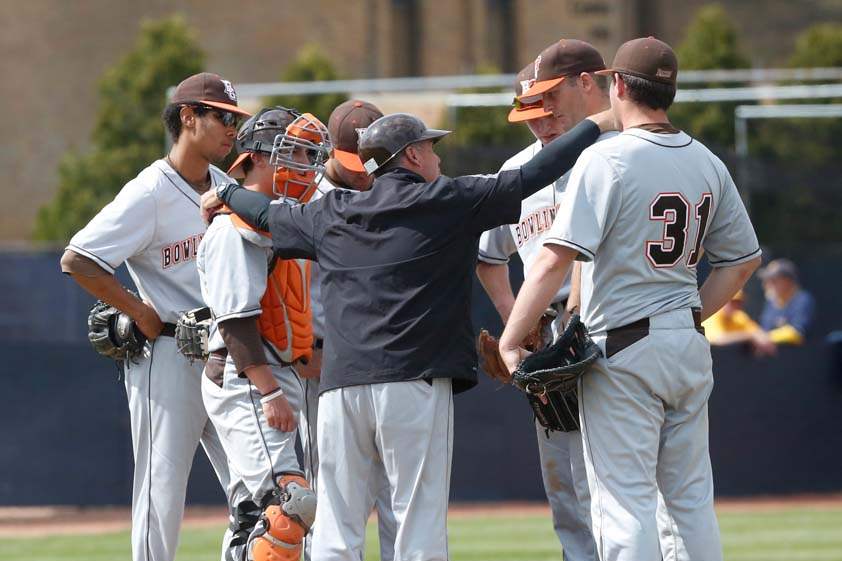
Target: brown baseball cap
x,y
523,111
208,89
344,125
648,58
567,57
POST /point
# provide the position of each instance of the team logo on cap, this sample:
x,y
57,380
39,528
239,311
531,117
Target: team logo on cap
x,y
526,84
537,66
663,73
229,90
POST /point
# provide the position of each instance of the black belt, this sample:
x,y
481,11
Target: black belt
x,y
168,330
620,338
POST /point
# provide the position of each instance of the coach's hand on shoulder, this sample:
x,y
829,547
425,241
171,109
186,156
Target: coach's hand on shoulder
x,y
604,120
147,321
210,205
278,413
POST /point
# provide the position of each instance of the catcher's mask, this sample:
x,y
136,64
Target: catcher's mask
x,y
258,134
299,157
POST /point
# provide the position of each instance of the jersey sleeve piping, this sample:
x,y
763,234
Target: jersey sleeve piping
x,y
241,314
486,258
736,260
585,252
99,260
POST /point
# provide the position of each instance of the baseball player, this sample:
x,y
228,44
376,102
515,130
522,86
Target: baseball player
x,y
398,259
262,329
343,170
152,226
581,93
639,211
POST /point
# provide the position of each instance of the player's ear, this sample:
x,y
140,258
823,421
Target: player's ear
x,y
587,81
619,85
188,117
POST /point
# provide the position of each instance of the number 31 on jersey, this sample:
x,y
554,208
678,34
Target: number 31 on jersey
x,y
673,209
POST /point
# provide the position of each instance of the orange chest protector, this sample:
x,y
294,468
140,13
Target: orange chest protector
x,y
286,319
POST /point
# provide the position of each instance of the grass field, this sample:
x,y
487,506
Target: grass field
x,y
776,533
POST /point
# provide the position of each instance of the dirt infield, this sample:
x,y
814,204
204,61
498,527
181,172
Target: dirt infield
x,y
61,520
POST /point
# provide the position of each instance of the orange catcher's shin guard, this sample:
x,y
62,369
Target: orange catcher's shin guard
x,y
282,527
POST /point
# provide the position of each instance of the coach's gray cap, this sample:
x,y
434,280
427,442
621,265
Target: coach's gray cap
x,y
387,137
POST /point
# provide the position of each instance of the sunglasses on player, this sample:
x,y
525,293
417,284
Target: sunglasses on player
x,y
521,105
227,118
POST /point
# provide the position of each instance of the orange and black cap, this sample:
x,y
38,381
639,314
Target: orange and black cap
x,y
567,57
521,110
344,125
208,89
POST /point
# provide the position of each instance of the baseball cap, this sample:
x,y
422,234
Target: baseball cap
x,y
648,58
779,268
523,111
208,89
567,57
258,134
343,127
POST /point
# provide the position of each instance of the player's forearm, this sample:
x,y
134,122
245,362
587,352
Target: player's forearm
x,y
243,342
574,301
262,378
107,288
539,289
251,206
557,157
731,338
723,283
495,281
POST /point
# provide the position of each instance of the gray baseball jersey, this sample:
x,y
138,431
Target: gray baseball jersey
x,y
526,237
153,225
641,219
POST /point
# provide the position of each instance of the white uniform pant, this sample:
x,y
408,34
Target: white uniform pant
x,y
257,453
566,485
408,426
168,421
645,427
380,497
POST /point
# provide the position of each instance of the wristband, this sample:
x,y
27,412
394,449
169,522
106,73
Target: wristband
x,y
271,395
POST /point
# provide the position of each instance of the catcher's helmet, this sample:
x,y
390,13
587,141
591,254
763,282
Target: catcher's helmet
x,y
386,137
258,134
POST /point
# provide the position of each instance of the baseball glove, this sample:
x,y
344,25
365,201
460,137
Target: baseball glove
x,y
191,333
488,349
550,376
113,333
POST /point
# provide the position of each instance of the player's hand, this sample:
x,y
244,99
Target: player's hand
x,y
763,345
604,120
313,368
148,322
513,356
210,205
279,414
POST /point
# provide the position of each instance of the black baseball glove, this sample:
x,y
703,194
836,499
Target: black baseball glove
x,y
550,376
114,334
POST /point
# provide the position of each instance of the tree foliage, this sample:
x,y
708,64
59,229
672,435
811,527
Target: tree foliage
x,y
711,43
128,133
310,65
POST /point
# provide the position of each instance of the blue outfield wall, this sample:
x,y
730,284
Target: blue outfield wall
x,y
65,436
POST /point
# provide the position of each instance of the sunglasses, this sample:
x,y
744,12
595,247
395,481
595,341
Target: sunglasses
x,y
521,105
227,118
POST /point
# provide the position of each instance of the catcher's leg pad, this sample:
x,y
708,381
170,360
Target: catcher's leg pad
x,y
280,532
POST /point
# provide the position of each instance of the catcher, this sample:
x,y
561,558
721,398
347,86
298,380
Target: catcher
x,y
262,329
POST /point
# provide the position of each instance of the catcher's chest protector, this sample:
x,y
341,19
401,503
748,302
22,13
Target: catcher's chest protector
x,y
286,320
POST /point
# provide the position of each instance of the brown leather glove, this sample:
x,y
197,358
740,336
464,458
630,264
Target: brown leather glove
x,y
488,349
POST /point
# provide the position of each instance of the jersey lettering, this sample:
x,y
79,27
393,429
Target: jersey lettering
x,y
534,224
180,251
673,210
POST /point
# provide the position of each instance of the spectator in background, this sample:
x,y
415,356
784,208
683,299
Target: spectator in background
x,y
789,308
731,325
